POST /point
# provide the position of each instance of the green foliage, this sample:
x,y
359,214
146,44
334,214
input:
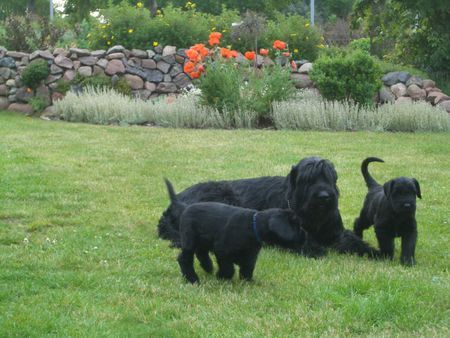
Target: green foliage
x,y
76,35
122,87
62,86
102,82
362,44
34,73
303,40
38,104
352,76
221,88
29,33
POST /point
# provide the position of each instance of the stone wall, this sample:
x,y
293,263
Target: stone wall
x,y
149,73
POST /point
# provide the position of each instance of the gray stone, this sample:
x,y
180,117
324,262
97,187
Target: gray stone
x,y
443,105
3,90
395,77
134,81
3,51
21,108
88,60
63,62
157,57
69,75
414,80
4,103
85,71
182,80
54,69
114,56
49,114
182,52
403,100
16,55
154,75
431,96
76,64
102,63
136,71
7,62
385,95
150,86
57,96
268,62
158,49
115,67
432,89
138,53
416,93
60,51
166,87
149,64
12,98
135,61
23,94
53,78
169,59
163,66
175,70
142,94
116,49
114,79
399,89
150,53
305,68
44,93
25,60
5,72
179,59
428,84
301,80
45,54
167,78
12,91
80,52
98,53
98,70
169,50
11,83
440,98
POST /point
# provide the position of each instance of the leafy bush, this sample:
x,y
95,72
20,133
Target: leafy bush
x,y
308,111
304,41
35,73
62,86
38,104
347,76
102,82
362,44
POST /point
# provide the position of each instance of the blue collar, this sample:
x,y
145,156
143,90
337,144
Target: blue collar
x,y
255,229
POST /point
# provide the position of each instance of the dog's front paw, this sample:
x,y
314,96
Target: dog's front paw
x,y
407,261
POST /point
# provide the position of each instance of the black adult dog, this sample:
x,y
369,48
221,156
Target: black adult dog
x,y
392,208
309,190
234,234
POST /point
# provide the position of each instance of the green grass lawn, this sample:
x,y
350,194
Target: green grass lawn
x,y
79,254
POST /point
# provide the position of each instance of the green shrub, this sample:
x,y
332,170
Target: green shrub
x,y
121,86
352,76
96,81
62,86
303,40
221,88
34,73
362,44
38,104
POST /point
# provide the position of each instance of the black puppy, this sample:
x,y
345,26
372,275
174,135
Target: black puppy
x,y
234,234
309,189
392,208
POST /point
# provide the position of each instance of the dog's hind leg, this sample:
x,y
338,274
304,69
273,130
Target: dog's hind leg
x,y
361,224
408,249
186,262
205,260
226,267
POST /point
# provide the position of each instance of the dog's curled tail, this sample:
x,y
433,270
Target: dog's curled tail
x,y
171,191
370,182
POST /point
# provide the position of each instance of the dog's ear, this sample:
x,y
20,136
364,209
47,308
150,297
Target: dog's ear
x,y
416,183
282,228
293,176
388,187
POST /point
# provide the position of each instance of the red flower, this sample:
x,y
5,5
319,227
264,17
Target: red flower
x,y
278,44
293,65
225,52
287,54
234,54
189,67
213,41
200,69
201,49
195,75
264,52
250,55
215,35
192,54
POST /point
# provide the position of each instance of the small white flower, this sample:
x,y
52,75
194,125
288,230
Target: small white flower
x,y
25,240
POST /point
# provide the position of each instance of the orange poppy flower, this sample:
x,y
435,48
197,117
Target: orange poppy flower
x,y
233,54
264,52
194,75
192,54
293,65
213,41
287,54
200,47
249,55
215,35
189,67
200,69
225,52
278,44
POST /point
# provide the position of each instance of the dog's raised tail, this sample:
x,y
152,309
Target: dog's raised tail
x,y
370,181
171,191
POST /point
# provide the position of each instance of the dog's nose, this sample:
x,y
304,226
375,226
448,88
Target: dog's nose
x,y
323,195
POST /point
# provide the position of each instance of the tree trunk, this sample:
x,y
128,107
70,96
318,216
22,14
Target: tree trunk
x,y
152,5
31,6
